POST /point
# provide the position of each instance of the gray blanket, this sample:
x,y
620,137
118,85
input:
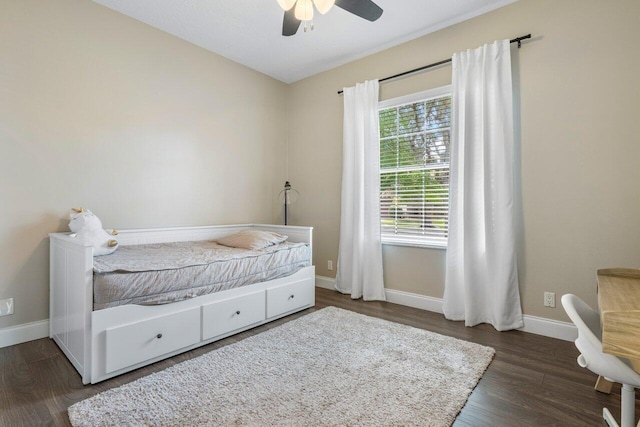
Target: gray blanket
x,y
168,272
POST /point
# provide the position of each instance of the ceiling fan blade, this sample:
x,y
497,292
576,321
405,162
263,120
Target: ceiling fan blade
x,y
363,8
290,24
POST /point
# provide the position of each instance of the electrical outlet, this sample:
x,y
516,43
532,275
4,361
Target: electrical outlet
x,y
330,265
549,299
6,307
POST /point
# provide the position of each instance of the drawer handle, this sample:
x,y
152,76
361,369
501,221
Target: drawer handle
x,y
292,296
238,312
159,336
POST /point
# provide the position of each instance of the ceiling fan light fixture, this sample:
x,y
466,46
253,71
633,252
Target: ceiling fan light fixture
x,y
324,6
286,4
304,10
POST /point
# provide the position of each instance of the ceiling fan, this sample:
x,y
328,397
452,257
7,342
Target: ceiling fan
x,y
297,11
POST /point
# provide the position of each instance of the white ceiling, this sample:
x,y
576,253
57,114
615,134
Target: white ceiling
x,y
249,31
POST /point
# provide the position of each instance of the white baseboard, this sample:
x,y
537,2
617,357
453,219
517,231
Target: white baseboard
x,y
325,282
550,328
532,324
23,333
414,300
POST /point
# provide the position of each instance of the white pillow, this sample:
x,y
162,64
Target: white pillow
x,y
252,239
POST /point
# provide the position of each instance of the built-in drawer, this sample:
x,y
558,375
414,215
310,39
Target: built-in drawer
x,y
136,342
293,296
222,317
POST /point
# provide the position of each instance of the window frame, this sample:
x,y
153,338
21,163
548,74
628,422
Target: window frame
x,y
425,95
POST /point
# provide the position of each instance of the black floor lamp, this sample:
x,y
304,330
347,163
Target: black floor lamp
x,y
288,196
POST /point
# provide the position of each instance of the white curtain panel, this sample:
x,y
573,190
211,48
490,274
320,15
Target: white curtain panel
x,y
481,282
359,270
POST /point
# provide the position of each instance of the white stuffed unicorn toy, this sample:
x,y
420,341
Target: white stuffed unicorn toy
x,y
86,226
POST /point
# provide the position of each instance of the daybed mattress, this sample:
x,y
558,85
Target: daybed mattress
x,y
168,272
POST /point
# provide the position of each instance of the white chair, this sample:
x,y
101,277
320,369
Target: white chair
x,y
613,368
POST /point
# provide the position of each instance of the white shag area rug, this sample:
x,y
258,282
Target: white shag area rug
x,y
331,367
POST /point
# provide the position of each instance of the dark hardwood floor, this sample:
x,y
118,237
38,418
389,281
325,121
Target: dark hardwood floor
x,y
532,381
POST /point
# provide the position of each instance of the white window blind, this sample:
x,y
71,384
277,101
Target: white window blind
x,y
414,168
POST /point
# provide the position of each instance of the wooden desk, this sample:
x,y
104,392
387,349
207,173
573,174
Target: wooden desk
x,y
619,302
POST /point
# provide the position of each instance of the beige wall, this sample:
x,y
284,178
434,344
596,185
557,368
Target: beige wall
x,y
102,111
578,156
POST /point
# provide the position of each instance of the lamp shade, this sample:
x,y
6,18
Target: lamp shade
x,y
304,10
323,6
286,4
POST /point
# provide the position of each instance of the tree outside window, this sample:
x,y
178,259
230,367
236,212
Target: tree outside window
x,y
414,170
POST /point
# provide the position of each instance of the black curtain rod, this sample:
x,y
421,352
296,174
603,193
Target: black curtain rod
x,y
446,61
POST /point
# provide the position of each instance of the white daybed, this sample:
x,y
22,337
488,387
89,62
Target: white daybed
x,y
104,343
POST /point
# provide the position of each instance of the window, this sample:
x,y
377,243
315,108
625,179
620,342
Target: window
x,y
414,168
